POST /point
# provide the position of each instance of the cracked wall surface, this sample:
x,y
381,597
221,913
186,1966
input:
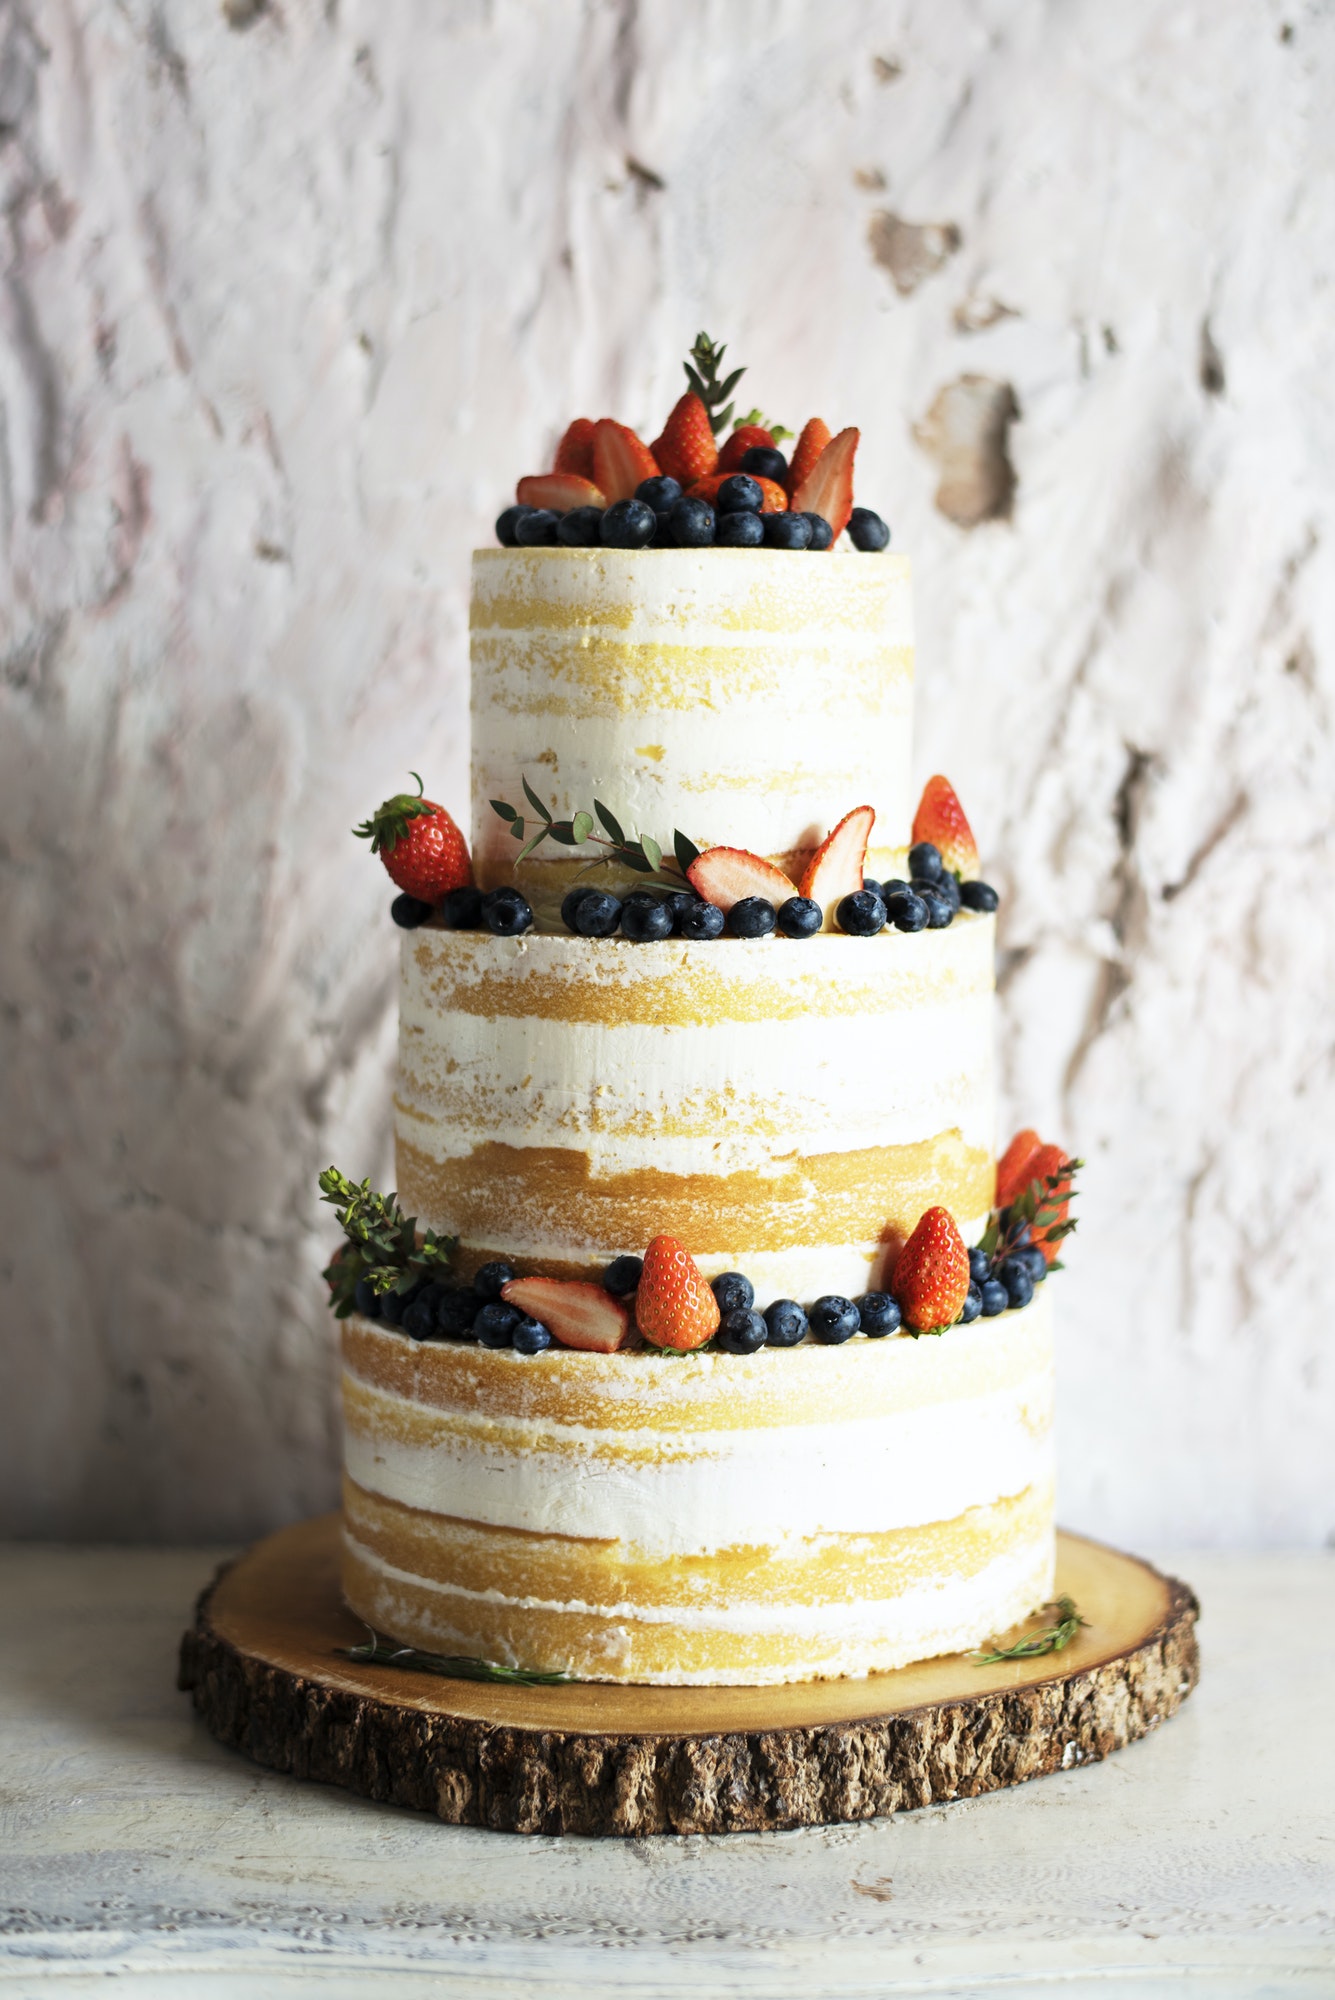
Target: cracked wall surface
x,y
292,293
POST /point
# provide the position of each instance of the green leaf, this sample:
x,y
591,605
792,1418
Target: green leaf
x,y
582,825
685,850
563,832
653,852
726,387
502,810
990,1237
529,845
696,384
1051,1639
611,824
634,858
517,829
378,1652
536,803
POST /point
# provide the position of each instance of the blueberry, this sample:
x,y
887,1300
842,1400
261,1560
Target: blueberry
x,y
787,1323
753,917
692,524
537,529
622,1276
833,1319
506,913
739,531
495,1323
786,531
529,1336
733,1292
700,920
949,887
741,1331
980,1266
862,914
571,901
738,495
408,912
888,887
457,1310
581,528
660,493
461,909
597,914
628,524
762,461
822,534
662,536
419,1321
488,1281
995,1298
1017,1278
367,1299
879,1314
868,882
978,896
506,524
799,917
393,1305
678,900
1034,1261
906,911
973,1305
940,913
925,861
645,922
867,530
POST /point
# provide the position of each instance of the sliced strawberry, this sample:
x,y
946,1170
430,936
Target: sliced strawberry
x,y
815,436
575,451
620,461
741,441
828,488
724,875
932,1273
577,1314
674,1307
558,490
1013,1174
773,498
686,450
835,869
940,819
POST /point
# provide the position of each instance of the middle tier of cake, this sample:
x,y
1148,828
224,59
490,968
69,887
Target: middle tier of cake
x,y
786,1109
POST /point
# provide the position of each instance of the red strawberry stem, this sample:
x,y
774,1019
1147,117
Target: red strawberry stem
x,y
388,824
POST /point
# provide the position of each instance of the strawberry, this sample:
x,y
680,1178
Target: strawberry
x,y
932,1274
1013,1174
940,819
686,450
575,451
620,461
1054,1203
674,1307
577,1314
560,491
723,875
421,847
835,869
815,436
773,498
741,441
828,488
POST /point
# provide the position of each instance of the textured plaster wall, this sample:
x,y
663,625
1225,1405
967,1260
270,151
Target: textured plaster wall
x,y
293,292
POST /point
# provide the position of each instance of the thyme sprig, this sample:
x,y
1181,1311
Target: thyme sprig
x,y
1050,1639
1037,1210
380,1243
703,378
378,1652
642,853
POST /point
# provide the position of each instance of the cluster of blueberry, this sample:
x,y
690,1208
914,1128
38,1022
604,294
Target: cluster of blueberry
x,y
929,900
432,1311
645,917
661,516
1007,1282
503,912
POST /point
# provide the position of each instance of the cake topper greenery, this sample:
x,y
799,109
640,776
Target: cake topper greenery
x,y
1053,1638
702,374
642,854
1039,1213
380,1243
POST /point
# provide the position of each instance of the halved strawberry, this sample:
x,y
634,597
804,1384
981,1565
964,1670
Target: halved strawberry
x,y
940,819
773,498
576,1313
1013,1175
575,451
620,460
932,1274
741,441
828,488
815,436
686,450
674,1307
1054,1203
724,875
835,869
558,490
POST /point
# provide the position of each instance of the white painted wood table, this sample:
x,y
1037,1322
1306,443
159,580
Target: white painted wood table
x,y
1200,1862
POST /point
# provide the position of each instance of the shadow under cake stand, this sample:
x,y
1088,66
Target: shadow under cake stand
x,y
264,1668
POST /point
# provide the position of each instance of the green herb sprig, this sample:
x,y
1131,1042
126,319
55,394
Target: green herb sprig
x,y
380,1243
703,378
1051,1639
379,1652
1038,1209
642,854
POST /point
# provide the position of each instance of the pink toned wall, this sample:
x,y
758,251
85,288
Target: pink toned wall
x,y
292,294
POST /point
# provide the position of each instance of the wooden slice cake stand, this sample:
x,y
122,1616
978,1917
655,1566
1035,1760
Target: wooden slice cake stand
x,y
263,1666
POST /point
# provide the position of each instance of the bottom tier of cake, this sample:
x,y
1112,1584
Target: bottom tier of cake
x,y
798,1514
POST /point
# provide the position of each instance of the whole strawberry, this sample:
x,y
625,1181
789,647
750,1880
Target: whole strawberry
x,y
815,436
940,819
686,450
674,1307
423,850
742,440
1013,1174
932,1275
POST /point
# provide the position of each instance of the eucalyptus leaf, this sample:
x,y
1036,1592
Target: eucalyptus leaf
x,y
536,803
583,827
516,829
685,850
611,824
502,810
653,852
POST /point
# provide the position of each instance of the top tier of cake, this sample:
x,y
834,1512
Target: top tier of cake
x,y
747,697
